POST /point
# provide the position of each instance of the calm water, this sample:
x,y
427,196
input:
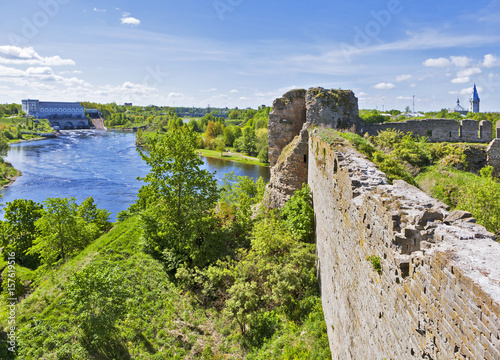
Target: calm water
x,y
101,164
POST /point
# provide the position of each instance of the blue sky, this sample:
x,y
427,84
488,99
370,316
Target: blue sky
x,y
246,53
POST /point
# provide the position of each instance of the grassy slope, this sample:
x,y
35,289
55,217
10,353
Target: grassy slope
x,y
7,173
162,322
232,156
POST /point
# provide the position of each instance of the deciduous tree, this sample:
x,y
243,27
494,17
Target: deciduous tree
x,y
179,198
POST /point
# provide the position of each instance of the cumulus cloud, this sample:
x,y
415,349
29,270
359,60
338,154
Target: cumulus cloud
x,y
128,20
490,61
439,62
40,74
403,77
99,10
469,72
461,80
234,91
460,61
174,95
384,86
18,56
466,91
209,90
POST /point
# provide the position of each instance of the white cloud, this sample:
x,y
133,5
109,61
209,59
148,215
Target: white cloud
x,y
209,90
403,77
174,95
128,20
490,61
16,55
460,61
100,10
384,86
439,62
461,80
466,91
234,91
404,98
39,71
37,75
9,72
469,72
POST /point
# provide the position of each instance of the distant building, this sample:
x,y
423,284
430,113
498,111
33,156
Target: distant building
x,y
94,113
63,115
458,108
474,101
127,104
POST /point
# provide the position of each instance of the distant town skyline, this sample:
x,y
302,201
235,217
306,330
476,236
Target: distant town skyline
x,y
246,53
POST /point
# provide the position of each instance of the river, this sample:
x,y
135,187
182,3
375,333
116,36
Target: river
x,y
101,164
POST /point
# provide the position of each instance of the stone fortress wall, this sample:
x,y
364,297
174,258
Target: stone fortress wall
x,y
437,295
440,130
438,292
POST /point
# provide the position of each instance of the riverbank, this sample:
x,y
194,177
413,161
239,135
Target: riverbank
x,y
8,174
232,156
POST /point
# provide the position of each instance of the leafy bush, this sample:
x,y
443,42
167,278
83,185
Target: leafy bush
x,y
298,214
97,295
480,195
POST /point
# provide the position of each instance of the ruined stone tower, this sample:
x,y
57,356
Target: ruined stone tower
x,y
293,115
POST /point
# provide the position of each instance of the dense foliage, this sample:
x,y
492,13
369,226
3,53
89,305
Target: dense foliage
x,y
52,232
438,168
192,270
480,195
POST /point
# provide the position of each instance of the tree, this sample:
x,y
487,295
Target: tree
x,y
249,141
61,232
214,129
97,295
220,144
89,212
298,214
179,198
18,231
229,136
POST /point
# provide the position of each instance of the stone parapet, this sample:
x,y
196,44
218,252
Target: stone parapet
x,y
436,294
440,130
493,151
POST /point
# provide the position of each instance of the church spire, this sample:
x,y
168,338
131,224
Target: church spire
x,y
475,95
474,101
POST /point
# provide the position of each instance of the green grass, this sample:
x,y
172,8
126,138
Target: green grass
x,y
232,156
461,190
162,321
7,173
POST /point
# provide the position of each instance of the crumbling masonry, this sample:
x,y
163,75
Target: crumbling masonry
x,y
437,295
